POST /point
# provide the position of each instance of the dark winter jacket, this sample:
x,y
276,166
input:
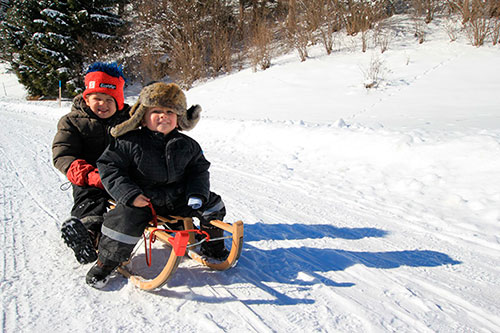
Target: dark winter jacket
x,y
167,169
81,134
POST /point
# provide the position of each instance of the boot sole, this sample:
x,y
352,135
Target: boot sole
x,y
77,238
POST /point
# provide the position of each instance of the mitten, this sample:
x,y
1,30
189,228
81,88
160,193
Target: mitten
x,y
94,179
194,202
159,197
78,171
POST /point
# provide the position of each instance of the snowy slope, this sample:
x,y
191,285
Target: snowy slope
x,y
364,211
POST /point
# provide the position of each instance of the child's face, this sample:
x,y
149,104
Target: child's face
x,y
160,119
103,105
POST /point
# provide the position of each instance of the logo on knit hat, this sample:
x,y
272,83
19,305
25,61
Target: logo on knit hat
x,y
107,86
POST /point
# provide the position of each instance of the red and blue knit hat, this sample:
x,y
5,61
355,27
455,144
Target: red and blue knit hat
x,y
106,78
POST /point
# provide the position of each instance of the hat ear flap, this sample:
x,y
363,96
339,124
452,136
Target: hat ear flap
x,y
136,114
189,119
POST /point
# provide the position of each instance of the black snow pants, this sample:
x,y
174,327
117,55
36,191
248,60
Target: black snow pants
x,y
89,201
124,225
90,204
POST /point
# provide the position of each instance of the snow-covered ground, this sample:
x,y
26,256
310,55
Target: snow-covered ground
x,y
365,210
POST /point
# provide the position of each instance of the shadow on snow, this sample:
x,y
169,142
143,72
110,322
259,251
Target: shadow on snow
x,y
296,266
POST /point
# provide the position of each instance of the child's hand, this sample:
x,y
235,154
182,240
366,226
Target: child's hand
x,y
194,202
140,201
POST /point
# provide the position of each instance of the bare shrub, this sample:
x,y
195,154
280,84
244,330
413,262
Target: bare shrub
x,y
383,41
358,16
427,8
326,19
383,35
451,29
298,31
301,40
463,7
495,31
364,40
479,18
187,63
419,29
145,60
373,75
152,67
470,9
479,25
219,56
218,29
260,52
477,29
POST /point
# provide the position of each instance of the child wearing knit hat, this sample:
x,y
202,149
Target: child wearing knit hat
x,y
82,135
151,163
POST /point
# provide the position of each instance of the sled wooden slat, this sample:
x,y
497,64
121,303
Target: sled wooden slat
x,y
234,254
162,278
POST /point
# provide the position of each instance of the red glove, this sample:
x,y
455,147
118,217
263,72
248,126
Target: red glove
x,y
94,179
78,171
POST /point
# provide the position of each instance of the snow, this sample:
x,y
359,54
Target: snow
x,y
365,210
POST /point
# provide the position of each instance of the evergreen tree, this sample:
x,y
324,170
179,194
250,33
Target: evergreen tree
x,y
4,4
48,41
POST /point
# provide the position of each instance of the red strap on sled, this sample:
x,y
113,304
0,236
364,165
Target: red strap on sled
x,y
179,242
153,212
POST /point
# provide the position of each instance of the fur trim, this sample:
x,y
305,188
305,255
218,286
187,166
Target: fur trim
x,y
188,121
136,114
164,95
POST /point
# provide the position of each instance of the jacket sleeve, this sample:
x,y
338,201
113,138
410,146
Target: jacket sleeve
x,y
113,167
197,175
67,145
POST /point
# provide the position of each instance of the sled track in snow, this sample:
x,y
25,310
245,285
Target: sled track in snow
x,y
25,214
8,244
38,150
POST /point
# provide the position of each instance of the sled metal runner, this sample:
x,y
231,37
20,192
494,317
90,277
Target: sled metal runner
x,y
182,243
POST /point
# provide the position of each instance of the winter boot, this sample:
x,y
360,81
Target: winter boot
x,y
93,224
98,276
77,237
214,249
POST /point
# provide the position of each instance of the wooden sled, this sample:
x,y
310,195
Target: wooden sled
x,y
182,243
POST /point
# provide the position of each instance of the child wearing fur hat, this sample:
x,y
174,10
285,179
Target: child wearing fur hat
x,y
82,135
151,162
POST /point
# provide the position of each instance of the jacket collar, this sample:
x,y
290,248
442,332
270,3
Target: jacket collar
x,y
160,136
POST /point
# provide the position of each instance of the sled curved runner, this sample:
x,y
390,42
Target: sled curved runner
x,y
181,244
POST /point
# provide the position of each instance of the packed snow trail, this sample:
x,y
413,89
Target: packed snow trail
x,y
324,250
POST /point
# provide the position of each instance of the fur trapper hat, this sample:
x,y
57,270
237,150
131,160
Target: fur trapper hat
x,y
163,95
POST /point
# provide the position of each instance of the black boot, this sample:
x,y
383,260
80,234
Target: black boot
x,y
214,249
98,276
93,224
77,237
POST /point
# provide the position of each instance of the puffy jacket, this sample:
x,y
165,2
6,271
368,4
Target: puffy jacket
x,y
83,135
165,168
